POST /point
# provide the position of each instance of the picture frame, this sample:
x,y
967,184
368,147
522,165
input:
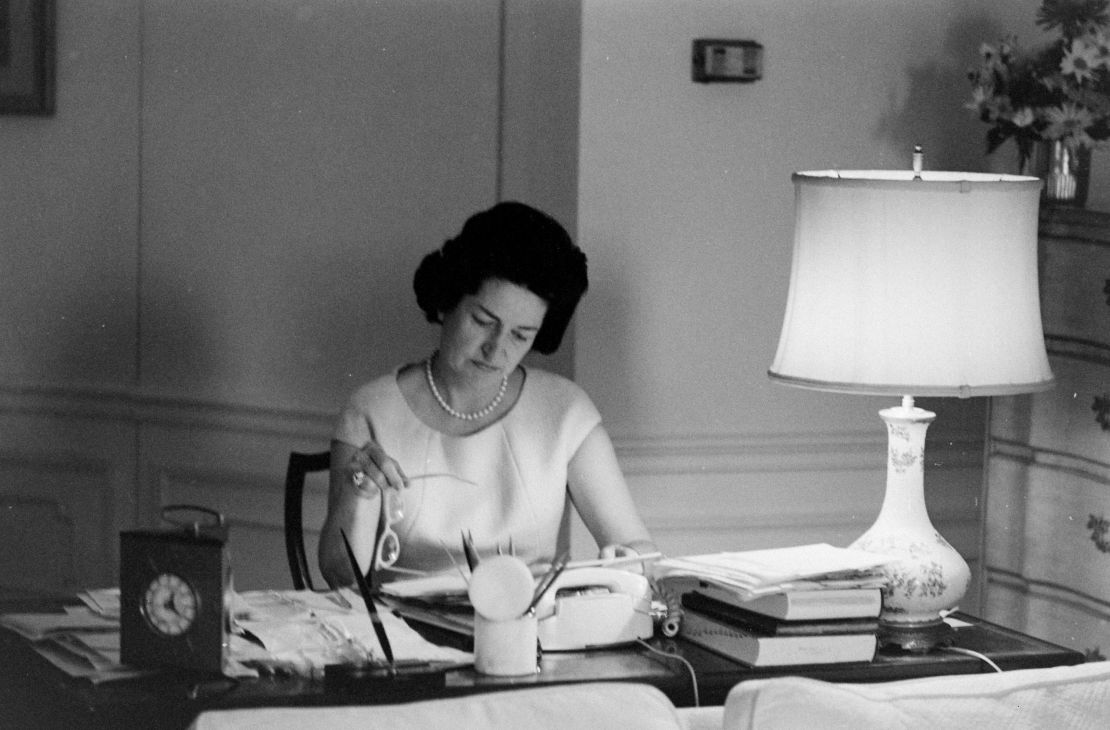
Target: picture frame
x,y
27,56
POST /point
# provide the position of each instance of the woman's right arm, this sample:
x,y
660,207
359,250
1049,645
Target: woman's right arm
x,y
350,510
354,493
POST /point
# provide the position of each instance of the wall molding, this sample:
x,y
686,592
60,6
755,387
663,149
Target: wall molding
x,y
1052,460
1054,592
147,406
639,455
788,452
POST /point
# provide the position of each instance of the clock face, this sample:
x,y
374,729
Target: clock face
x,y
170,604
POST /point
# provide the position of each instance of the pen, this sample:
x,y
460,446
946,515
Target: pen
x,y
547,581
368,599
451,557
468,550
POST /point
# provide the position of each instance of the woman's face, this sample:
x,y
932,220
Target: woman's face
x,y
487,334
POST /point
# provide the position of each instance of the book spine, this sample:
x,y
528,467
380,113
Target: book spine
x,y
719,639
745,647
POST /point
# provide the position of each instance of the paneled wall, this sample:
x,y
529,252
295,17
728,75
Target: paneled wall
x,y
685,198
211,243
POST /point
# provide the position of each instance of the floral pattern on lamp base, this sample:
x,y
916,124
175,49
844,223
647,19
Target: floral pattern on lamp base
x,y
929,576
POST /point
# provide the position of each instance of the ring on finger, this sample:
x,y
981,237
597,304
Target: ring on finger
x,y
358,478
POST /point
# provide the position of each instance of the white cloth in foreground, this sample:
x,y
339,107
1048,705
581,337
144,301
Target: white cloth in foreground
x,y
608,706
1075,697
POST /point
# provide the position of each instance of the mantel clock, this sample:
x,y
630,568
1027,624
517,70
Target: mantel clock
x,y
173,585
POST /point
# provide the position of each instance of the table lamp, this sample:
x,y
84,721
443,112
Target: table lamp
x,y
913,283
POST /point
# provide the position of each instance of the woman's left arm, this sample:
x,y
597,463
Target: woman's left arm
x,y
600,494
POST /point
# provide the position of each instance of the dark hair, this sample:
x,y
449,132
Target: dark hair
x,y
514,242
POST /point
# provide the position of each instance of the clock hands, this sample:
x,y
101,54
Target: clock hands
x,y
171,604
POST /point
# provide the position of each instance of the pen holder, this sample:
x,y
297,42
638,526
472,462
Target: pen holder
x,y
506,648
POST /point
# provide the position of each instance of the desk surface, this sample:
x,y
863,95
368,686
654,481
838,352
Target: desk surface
x,y
34,694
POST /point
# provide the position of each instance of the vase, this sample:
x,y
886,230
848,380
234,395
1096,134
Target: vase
x,y
1066,171
927,577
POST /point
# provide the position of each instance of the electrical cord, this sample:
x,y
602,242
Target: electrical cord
x,y
687,664
981,657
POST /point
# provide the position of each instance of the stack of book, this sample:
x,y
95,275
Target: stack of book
x,y
811,604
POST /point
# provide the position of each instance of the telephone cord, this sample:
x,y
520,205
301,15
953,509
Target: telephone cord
x,y
689,667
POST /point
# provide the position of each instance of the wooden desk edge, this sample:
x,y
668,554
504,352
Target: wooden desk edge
x,y
715,675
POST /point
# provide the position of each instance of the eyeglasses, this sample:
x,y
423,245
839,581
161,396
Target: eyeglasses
x,y
388,545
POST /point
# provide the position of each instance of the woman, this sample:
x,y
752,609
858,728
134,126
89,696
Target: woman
x,y
474,441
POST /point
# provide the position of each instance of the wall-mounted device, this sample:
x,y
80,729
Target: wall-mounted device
x,y
727,61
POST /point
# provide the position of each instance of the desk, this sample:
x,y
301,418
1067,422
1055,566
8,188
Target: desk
x,y
34,694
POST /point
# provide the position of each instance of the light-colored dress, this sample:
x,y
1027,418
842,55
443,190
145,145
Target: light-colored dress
x,y
519,463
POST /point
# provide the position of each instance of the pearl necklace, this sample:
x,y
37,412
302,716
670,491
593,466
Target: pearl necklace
x,y
458,414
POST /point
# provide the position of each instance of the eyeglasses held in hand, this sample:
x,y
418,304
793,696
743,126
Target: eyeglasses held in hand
x,y
388,547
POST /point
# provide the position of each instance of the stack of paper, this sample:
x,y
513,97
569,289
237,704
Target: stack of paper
x,y
807,604
755,573
80,642
102,601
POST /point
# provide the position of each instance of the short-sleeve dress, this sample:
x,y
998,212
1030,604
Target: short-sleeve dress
x,y
519,463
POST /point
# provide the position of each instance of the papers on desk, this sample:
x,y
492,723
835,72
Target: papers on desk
x,y
80,642
303,631
36,626
439,600
102,601
277,631
753,573
91,656
449,587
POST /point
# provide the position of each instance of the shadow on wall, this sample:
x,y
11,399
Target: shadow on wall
x,y
177,347
933,112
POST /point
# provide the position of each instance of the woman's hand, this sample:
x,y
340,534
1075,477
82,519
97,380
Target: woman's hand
x,y
371,470
632,550
611,552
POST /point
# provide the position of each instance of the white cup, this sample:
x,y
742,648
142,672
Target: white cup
x,y
506,648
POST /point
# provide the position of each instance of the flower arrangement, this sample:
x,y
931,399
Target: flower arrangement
x,y
1056,92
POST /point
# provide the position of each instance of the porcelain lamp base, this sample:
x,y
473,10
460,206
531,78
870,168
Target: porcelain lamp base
x,y
929,576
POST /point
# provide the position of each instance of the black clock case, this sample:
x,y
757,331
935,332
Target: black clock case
x,y
200,558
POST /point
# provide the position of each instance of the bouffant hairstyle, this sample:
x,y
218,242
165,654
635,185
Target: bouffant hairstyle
x,y
516,243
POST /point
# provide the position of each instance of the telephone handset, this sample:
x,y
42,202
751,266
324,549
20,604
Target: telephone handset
x,y
594,607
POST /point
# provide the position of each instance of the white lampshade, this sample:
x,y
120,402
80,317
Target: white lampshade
x,y
922,284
